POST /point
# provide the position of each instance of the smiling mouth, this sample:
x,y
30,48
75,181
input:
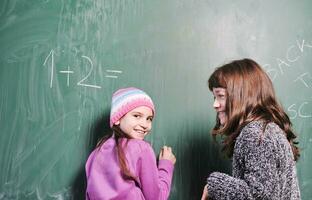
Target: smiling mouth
x,y
140,132
221,113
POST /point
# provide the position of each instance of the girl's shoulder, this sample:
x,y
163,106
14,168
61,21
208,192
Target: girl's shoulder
x,y
255,129
130,146
261,125
126,143
137,145
273,127
136,149
252,128
251,131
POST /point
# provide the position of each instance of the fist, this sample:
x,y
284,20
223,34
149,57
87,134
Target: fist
x,y
166,153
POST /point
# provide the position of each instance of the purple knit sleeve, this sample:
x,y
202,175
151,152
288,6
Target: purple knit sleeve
x,y
155,181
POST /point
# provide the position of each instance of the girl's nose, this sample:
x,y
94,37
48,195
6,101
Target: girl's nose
x,y
216,104
144,123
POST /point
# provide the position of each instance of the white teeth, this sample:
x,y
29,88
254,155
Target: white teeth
x,y
141,132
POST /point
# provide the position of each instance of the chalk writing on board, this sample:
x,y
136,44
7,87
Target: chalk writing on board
x,y
81,82
298,110
66,72
50,63
305,79
293,54
62,194
51,54
111,72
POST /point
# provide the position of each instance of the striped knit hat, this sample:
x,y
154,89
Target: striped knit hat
x,y
127,99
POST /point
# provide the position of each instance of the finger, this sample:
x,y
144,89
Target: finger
x,y
161,151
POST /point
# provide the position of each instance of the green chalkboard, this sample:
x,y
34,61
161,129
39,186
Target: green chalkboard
x,y
61,60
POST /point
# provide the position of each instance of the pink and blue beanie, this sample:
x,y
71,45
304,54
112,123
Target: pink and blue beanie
x,y
127,99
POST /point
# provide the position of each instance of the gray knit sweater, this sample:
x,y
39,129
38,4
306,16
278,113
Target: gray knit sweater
x,y
263,167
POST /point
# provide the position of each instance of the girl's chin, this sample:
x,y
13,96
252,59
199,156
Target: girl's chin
x,y
222,120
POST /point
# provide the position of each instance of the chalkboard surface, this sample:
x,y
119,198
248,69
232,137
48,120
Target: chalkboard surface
x,y
62,59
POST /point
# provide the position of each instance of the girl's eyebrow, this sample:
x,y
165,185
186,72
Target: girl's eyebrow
x,y
219,92
137,112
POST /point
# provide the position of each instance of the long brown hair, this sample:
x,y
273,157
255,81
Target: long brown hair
x,y
118,134
250,96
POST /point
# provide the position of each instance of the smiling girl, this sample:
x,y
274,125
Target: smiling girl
x,y
257,135
123,166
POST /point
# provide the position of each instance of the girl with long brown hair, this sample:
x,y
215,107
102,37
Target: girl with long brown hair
x,y
257,135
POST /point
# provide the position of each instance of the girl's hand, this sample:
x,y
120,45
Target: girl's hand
x,y
166,153
205,193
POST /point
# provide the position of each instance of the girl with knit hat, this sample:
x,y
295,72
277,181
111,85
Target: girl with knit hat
x,y
123,166
257,135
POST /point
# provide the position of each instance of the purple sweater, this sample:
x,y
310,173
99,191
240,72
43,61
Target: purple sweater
x,y
104,180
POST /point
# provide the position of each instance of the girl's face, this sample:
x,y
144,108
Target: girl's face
x,y
137,123
219,103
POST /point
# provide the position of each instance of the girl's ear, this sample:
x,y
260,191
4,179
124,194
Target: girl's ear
x,y
117,123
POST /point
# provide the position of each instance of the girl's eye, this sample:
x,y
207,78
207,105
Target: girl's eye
x,y
150,119
136,116
220,96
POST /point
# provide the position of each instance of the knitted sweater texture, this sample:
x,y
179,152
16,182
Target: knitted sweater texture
x,y
263,167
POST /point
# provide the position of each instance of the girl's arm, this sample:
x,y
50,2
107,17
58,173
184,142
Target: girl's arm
x,y
155,181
